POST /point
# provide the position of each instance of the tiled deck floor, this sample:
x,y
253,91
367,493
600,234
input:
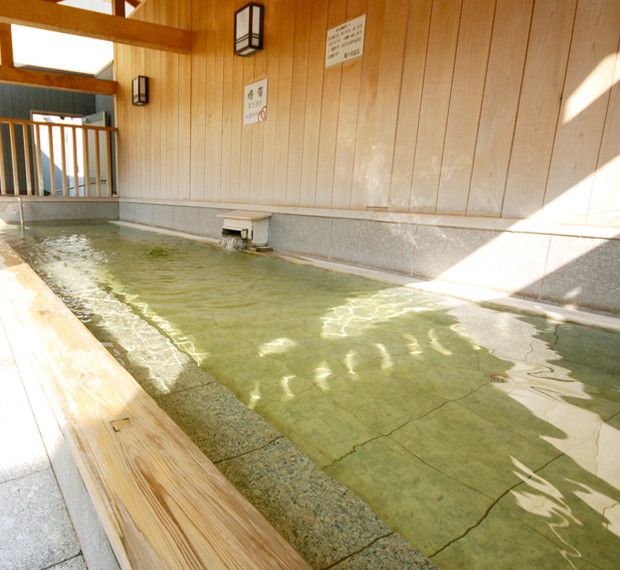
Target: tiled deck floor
x,y
35,530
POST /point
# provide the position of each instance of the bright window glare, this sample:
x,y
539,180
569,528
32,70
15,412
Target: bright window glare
x,y
42,48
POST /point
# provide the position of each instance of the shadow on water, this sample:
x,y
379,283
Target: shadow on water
x,y
486,438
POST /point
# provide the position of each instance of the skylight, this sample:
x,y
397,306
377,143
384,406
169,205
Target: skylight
x,y
53,50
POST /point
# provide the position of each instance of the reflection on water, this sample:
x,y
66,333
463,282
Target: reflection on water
x,y
488,439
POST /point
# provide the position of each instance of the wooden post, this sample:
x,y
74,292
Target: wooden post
x,y
40,180
6,45
14,159
52,165
76,171
86,162
26,136
63,161
2,174
118,8
98,163
108,147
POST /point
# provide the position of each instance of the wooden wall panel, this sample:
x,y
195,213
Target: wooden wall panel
x,y
198,85
348,106
605,200
499,106
465,104
445,21
183,78
332,79
273,36
457,106
284,102
375,146
412,83
580,125
537,115
299,89
314,96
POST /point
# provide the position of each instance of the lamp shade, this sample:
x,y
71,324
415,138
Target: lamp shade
x,y
249,22
140,90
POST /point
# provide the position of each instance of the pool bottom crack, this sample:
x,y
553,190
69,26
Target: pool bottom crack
x,y
492,506
244,453
388,434
355,552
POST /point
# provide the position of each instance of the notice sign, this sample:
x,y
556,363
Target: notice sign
x,y
255,102
345,42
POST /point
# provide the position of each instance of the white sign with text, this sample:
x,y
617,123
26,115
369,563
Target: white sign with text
x,y
255,102
345,42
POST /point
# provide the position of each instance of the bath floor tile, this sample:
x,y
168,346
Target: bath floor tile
x,y
217,421
495,405
501,534
438,377
470,449
387,553
34,526
426,506
380,401
312,412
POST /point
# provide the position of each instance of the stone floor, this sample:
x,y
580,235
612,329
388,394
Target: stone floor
x,y
35,530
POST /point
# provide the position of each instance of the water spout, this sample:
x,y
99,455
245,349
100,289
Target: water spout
x,y
233,242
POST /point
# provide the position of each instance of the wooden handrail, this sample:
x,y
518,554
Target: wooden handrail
x,y
26,170
45,124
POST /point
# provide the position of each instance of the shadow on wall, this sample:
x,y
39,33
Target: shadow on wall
x,y
574,276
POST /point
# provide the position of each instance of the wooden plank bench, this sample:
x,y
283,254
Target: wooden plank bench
x,y
162,503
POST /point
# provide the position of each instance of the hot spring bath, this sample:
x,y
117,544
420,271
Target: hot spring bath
x,y
487,439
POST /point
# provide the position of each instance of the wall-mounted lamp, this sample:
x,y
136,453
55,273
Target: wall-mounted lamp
x,y
249,29
140,90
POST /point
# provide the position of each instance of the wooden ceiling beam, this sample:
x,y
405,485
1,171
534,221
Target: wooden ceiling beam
x,y
53,80
59,18
6,45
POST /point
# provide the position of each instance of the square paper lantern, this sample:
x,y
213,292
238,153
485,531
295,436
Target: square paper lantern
x,y
140,90
249,29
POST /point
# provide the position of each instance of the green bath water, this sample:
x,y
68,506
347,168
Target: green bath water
x,y
488,439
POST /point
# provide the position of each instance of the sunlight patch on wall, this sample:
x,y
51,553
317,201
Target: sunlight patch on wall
x,y
595,85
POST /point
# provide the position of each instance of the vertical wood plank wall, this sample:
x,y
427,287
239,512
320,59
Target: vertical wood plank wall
x,y
500,108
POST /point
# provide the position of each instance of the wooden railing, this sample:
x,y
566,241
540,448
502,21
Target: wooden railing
x,y
57,160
